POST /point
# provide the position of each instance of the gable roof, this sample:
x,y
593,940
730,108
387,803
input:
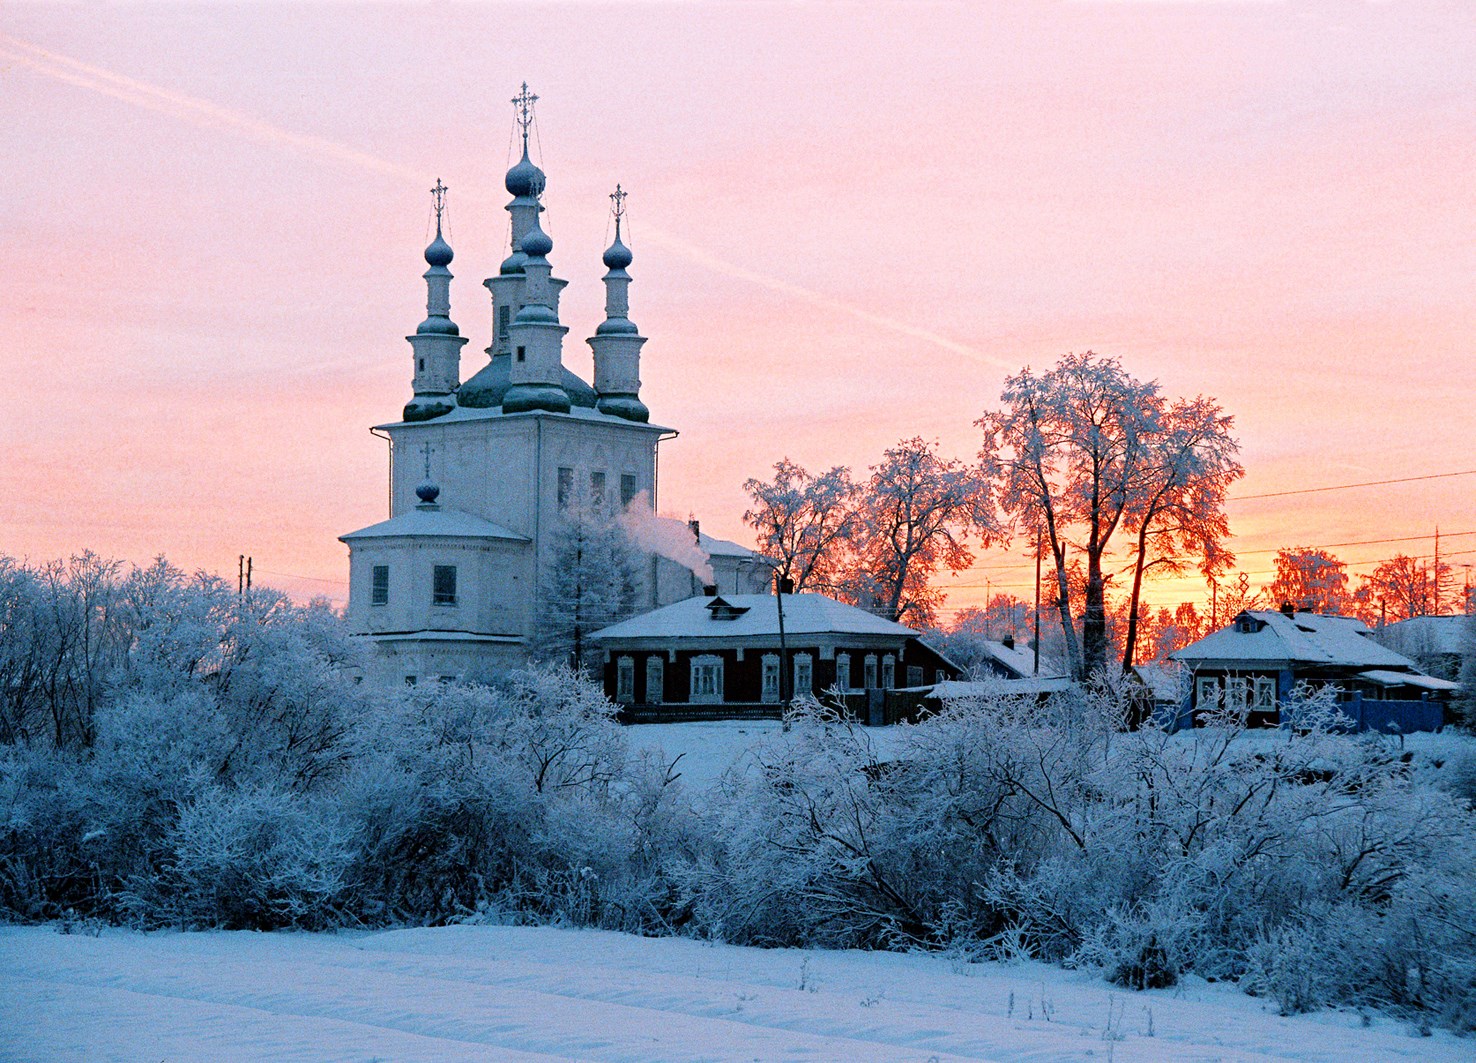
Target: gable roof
x,y
1306,638
434,522
727,548
1019,660
804,614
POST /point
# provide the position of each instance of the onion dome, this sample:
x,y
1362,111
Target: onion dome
x,y
439,252
536,243
617,255
513,263
428,492
525,179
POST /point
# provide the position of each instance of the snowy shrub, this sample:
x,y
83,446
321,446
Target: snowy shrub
x,y
255,859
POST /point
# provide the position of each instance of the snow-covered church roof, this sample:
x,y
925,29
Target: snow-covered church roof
x,y
752,615
434,522
1271,637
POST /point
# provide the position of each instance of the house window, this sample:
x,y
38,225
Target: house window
x,y
804,674
443,585
655,680
914,675
504,316
769,692
625,680
566,487
379,595
870,671
889,671
627,488
1236,689
940,676
707,680
597,489
843,671
1265,692
1207,694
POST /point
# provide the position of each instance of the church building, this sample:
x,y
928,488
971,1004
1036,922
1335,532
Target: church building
x,y
482,470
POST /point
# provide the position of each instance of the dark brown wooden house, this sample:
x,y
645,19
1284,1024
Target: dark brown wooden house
x,y
721,653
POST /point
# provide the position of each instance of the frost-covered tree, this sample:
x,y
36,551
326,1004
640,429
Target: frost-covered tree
x,y
913,518
1404,587
1086,451
803,522
591,581
1311,580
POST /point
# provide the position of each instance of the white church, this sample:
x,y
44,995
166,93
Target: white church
x,y
481,469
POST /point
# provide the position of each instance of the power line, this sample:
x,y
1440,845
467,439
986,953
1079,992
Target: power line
x,y
1344,487
314,579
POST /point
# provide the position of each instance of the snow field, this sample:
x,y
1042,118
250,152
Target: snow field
x,y
517,993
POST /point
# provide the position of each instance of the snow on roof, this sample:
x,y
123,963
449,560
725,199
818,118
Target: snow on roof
x,y
1406,679
479,413
1426,634
804,614
727,548
1164,679
1018,659
437,522
956,688
1306,638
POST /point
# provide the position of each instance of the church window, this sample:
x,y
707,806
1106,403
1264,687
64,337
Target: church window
x,y
655,680
504,316
380,593
566,487
597,488
769,691
843,671
870,670
422,365
625,680
707,680
522,354
889,672
410,680
804,675
627,488
443,585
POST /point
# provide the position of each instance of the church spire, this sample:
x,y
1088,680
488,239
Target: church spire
x,y
437,342
535,339
617,342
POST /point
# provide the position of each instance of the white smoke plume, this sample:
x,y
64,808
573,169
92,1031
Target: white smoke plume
x,y
666,536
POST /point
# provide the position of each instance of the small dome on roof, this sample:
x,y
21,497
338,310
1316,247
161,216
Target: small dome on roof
x,y
513,263
535,242
617,255
428,492
525,179
439,252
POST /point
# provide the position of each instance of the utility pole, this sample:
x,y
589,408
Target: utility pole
x,y
783,585
1037,601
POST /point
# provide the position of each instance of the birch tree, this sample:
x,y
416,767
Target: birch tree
x,y
913,518
803,522
590,582
1086,451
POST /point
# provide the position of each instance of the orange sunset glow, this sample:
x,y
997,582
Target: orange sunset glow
x,y
850,223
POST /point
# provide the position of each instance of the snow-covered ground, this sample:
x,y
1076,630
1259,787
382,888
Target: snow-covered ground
x,y
510,993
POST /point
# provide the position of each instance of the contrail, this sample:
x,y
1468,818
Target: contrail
x,y
209,115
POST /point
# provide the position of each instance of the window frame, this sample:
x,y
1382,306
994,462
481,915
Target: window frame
x,y
769,679
703,668
440,597
625,680
804,666
655,680
379,587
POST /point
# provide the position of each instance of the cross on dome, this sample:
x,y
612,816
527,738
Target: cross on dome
x,y
523,103
617,198
439,195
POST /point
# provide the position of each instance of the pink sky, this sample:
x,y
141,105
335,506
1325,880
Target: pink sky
x,y
850,222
